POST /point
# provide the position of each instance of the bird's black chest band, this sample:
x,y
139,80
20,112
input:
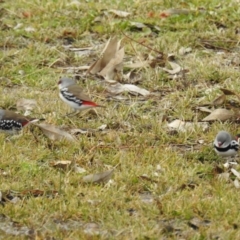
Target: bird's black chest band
x,y
235,147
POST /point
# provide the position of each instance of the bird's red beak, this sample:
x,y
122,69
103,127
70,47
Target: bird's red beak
x,y
59,82
219,144
237,138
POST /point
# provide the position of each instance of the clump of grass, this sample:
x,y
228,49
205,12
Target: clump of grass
x,y
157,187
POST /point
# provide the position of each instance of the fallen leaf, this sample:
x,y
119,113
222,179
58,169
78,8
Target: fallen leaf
x,y
144,28
219,114
111,47
15,200
204,109
119,88
183,126
230,92
74,69
102,127
219,100
19,25
138,25
63,164
54,133
92,229
146,197
226,164
33,192
21,72
3,172
175,68
159,168
66,165
78,169
236,183
235,172
102,177
27,14
196,223
119,13
115,64
110,81
183,50
224,176
30,29
120,98
227,91
133,77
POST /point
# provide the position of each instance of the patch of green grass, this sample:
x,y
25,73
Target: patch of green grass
x,y
163,179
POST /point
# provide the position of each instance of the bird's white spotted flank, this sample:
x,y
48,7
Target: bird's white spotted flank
x,y
11,122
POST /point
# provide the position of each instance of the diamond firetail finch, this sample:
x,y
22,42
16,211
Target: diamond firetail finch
x,y
225,145
12,123
74,96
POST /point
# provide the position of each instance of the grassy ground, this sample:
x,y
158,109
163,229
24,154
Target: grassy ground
x,y
166,185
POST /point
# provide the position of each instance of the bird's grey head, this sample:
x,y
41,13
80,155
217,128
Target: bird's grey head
x,y
223,139
2,112
65,82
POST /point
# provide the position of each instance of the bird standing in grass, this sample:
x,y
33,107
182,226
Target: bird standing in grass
x,y
73,95
12,123
225,145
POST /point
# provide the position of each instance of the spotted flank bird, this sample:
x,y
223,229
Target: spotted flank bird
x,y
13,123
74,96
225,145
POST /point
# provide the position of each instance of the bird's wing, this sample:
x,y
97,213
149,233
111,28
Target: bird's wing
x,y
78,93
9,115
